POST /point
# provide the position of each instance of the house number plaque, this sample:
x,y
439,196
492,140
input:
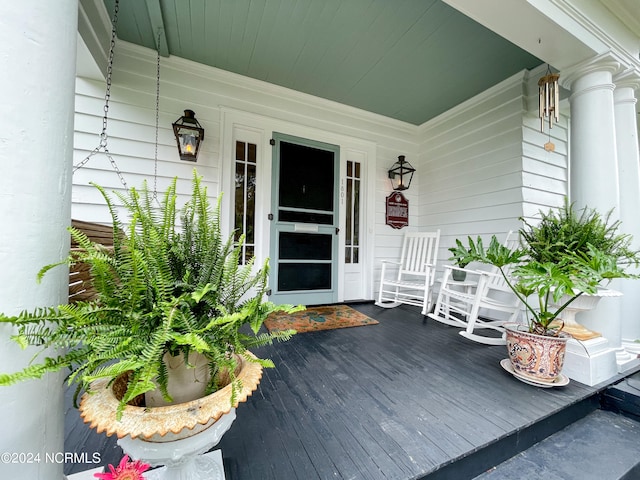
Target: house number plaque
x,y
397,211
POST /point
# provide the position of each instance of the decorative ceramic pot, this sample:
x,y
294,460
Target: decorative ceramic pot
x,y
458,275
184,384
538,357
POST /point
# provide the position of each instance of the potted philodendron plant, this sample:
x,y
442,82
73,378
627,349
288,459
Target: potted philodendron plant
x,y
566,254
458,273
170,290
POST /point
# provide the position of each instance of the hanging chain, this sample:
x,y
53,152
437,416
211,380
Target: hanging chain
x,y
107,96
155,164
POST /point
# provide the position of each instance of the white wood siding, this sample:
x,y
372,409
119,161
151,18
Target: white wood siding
x,y
483,164
545,173
480,166
210,92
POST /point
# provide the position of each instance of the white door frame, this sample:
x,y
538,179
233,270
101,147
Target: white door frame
x,y
240,125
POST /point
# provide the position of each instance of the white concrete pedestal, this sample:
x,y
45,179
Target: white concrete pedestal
x,y
590,361
214,458
208,465
183,458
595,361
85,475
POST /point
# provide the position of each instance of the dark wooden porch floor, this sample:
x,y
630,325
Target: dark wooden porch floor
x,y
403,399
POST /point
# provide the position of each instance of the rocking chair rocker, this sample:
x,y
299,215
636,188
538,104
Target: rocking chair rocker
x,y
462,308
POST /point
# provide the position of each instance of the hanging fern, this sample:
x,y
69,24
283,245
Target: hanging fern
x,y
160,289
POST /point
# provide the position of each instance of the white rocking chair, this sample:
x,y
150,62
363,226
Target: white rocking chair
x,y
415,275
459,305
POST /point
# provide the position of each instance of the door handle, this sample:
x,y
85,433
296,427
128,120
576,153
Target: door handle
x,y
337,230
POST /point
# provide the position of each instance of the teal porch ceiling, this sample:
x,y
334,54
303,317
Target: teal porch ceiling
x,y
405,59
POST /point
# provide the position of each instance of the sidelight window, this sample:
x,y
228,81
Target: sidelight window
x,y
352,234
245,197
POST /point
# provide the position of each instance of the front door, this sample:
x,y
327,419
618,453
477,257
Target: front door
x,y
304,226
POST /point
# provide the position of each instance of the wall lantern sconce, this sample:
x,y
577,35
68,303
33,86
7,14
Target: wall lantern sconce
x,y
189,135
549,98
401,174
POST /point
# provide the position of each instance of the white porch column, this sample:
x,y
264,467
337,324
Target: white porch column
x,y
629,164
37,61
594,183
594,165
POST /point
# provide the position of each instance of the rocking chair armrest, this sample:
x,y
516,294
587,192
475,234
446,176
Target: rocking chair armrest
x,y
391,261
461,269
471,271
489,274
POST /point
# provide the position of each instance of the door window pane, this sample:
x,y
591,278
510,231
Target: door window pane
x,y
245,197
304,276
352,220
304,217
304,246
306,177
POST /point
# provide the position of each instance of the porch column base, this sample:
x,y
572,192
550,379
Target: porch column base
x,y
631,345
627,360
590,361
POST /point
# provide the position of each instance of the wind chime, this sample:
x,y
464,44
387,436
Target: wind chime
x,y
549,103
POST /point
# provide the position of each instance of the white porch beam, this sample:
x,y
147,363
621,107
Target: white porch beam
x,y
94,27
157,23
553,37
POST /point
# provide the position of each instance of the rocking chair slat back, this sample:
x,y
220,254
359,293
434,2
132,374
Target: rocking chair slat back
x,y
415,272
497,282
418,253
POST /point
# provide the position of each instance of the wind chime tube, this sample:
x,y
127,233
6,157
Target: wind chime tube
x,y
549,99
556,103
546,100
541,106
552,106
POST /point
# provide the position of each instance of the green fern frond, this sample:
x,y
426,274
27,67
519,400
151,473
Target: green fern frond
x,y
170,283
113,370
48,365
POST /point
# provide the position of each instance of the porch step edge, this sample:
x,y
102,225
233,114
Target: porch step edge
x,y
501,450
624,397
600,446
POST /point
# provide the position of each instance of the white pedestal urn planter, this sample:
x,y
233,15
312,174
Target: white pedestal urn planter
x,y
538,358
175,435
582,303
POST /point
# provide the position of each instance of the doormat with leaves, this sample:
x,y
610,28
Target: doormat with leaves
x,y
318,318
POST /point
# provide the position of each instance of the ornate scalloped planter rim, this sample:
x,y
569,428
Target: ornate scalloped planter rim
x,y
163,424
